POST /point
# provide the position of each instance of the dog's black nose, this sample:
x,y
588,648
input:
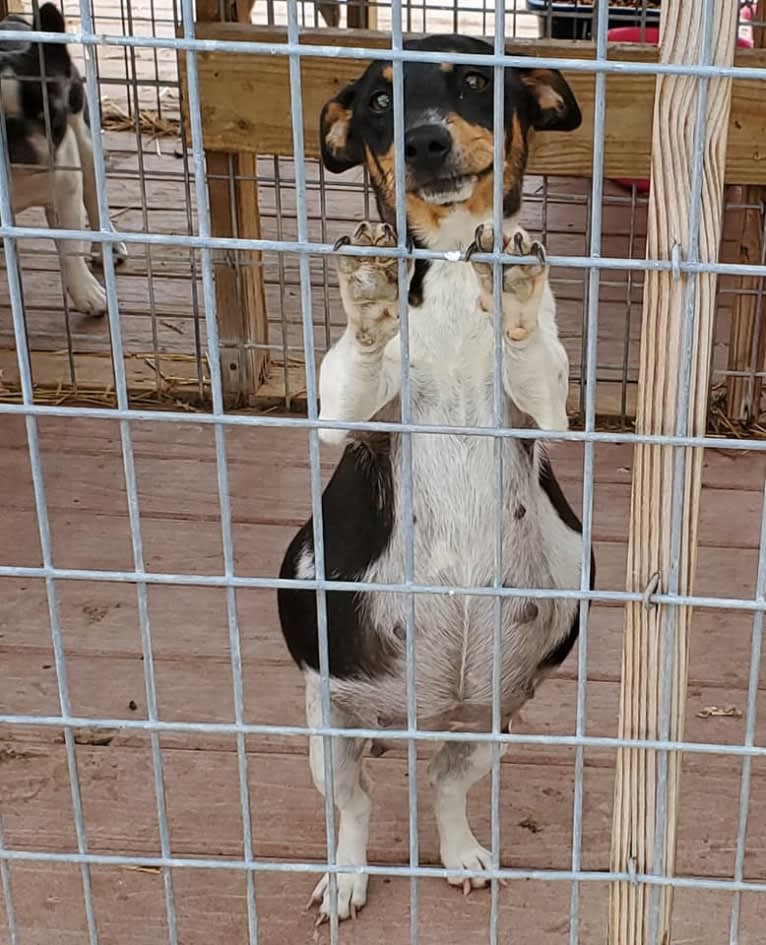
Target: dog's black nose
x,y
427,146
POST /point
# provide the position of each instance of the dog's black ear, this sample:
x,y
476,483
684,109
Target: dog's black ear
x,y
51,19
553,106
341,149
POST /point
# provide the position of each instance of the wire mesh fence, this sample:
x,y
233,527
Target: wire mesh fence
x,y
80,407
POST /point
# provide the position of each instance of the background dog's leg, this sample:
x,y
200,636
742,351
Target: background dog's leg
x,y
361,372
90,193
66,212
455,768
535,364
352,801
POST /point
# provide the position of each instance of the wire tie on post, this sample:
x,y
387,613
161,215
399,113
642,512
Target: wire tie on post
x,y
632,874
649,590
675,261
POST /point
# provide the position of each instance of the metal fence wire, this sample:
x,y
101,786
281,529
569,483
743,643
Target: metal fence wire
x,y
153,368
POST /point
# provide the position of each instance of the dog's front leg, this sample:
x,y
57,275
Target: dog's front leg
x,y
66,212
361,372
535,364
90,192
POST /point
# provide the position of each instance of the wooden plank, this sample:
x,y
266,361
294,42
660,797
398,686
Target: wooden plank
x,y
197,688
212,907
288,824
93,383
237,116
234,211
747,340
640,841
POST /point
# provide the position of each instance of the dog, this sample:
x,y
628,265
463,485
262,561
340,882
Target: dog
x,y
49,147
448,151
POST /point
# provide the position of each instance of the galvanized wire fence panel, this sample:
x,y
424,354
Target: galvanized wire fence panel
x,y
303,213
151,190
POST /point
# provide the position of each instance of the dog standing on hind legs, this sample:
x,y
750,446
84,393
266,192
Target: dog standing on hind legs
x,y
448,151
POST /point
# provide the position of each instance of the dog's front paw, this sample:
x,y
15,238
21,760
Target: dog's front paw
x,y
88,296
523,284
352,895
369,285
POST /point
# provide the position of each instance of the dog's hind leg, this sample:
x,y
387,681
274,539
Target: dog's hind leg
x,y
455,768
353,804
90,191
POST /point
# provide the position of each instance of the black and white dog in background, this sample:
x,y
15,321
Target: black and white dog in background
x,y
49,146
448,149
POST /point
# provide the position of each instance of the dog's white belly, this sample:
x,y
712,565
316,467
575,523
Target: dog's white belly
x,y
454,533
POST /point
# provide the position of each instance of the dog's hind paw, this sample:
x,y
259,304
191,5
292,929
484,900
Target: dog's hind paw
x,y
352,895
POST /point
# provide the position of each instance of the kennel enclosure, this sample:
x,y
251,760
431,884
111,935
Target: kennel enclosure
x,y
252,244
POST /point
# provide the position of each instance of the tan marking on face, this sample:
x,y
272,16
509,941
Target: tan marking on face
x,y
337,120
473,144
425,219
447,67
388,73
540,81
514,164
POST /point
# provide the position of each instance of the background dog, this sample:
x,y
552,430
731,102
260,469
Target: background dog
x,y
449,172
49,146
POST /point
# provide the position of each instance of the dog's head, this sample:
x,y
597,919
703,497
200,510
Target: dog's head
x,y
448,134
35,88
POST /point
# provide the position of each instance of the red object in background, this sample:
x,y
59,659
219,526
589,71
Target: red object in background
x,y
650,34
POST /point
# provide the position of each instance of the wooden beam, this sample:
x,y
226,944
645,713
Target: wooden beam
x,y
234,211
648,632
245,99
747,333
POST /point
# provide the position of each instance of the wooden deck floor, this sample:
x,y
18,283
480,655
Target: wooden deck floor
x,y
181,533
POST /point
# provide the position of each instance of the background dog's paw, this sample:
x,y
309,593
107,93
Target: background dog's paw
x,y
89,298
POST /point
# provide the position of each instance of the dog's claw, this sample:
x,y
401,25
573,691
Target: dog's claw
x,y
466,887
341,241
539,250
518,243
472,248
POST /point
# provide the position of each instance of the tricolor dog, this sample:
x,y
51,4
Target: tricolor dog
x,y
448,149
49,146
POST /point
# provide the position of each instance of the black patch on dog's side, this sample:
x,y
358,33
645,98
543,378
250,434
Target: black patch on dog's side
x,y
358,517
558,500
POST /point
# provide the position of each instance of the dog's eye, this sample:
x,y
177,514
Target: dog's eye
x,y
476,81
380,102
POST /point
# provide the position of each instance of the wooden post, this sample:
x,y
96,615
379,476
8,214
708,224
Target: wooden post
x,y
747,338
234,211
649,547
